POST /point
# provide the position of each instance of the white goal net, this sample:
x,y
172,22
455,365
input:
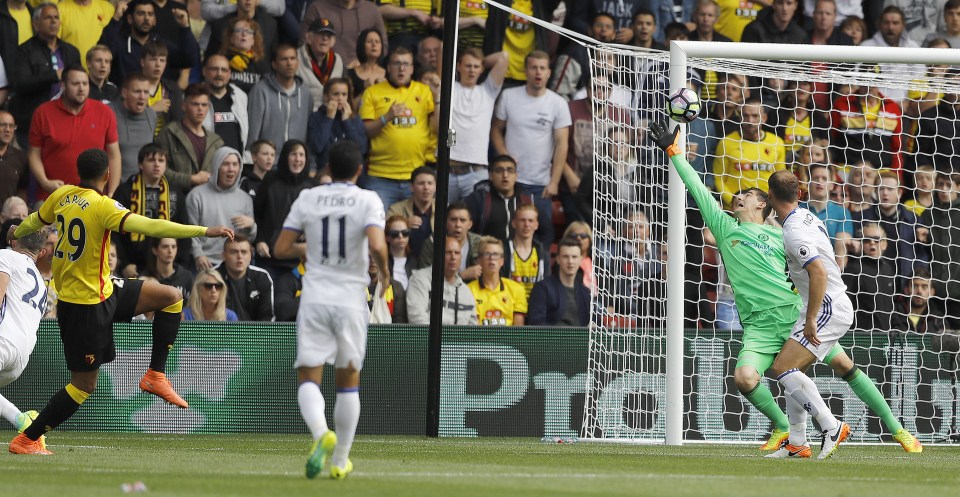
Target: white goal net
x,y
873,145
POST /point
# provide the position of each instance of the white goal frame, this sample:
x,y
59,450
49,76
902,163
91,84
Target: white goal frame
x,y
676,220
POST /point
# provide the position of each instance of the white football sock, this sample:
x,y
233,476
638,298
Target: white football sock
x,y
346,415
312,408
9,411
802,389
798,422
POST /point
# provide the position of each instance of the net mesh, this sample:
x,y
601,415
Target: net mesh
x,y
872,145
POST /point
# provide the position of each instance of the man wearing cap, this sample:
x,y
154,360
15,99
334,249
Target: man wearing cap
x,y
318,61
351,17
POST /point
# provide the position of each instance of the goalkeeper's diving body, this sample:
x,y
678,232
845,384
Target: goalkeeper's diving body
x,y
754,258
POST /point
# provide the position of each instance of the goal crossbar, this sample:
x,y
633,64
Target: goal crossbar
x,y
815,53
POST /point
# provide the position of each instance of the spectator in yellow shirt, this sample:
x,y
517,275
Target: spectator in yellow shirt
x,y
746,158
399,117
82,23
500,301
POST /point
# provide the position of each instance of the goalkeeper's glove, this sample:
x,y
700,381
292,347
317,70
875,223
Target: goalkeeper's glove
x,y
665,139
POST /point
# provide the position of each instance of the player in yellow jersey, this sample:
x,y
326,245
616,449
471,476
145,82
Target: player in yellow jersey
x,y
89,303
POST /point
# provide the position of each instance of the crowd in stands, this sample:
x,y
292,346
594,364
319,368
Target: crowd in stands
x,y
223,111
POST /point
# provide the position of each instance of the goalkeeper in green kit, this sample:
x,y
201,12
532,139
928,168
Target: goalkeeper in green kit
x,y
754,258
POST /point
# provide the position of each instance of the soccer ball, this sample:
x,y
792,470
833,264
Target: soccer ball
x,y
683,106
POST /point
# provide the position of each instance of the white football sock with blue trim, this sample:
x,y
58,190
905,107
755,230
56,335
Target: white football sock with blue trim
x,y
805,393
346,415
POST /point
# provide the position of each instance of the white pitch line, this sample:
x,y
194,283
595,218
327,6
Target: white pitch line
x,y
486,474
620,476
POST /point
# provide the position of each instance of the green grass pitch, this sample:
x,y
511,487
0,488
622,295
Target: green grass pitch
x,y
97,464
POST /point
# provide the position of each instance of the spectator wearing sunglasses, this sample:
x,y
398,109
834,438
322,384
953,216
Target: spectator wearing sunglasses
x,y
208,300
871,279
398,248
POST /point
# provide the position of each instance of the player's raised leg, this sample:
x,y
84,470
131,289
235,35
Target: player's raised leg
x,y
867,391
167,301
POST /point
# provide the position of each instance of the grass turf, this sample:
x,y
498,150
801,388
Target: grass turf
x,y
98,463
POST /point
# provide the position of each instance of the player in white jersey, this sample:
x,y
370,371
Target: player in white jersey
x,y
825,316
341,224
24,296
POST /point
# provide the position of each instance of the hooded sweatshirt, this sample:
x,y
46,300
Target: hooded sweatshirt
x,y
280,187
209,205
276,114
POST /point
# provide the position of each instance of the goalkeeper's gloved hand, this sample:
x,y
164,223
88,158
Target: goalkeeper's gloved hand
x,y
665,139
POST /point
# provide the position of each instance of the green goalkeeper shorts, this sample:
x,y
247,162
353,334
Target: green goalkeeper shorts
x,y
764,333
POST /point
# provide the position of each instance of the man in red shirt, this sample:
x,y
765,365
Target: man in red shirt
x,y
867,126
64,127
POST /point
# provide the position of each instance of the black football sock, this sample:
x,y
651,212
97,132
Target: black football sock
x,y
166,325
59,409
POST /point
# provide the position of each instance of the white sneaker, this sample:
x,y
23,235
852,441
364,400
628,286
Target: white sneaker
x,y
832,439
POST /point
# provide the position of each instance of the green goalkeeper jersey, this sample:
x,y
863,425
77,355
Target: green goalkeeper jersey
x,y
752,253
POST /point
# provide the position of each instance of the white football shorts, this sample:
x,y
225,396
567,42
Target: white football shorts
x,y
328,334
12,363
833,322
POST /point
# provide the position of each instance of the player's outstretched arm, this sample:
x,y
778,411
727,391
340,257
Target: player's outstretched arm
x,y
713,215
219,232
31,224
160,228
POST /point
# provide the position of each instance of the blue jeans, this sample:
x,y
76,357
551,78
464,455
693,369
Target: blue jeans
x,y
390,191
545,234
727,316
460,186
